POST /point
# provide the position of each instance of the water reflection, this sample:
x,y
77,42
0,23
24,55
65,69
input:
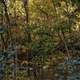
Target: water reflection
x,y
73,70
66,70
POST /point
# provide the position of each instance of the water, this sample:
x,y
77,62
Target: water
x,y
73,70
67,70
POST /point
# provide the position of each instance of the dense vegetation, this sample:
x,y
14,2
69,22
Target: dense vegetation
x,y
37,36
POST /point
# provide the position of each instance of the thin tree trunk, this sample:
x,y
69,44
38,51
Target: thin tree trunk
x,y
62,38
9,36
26,8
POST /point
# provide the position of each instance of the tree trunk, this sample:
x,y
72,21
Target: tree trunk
x,y
26,8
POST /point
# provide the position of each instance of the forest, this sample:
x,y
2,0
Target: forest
x,y
39,39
